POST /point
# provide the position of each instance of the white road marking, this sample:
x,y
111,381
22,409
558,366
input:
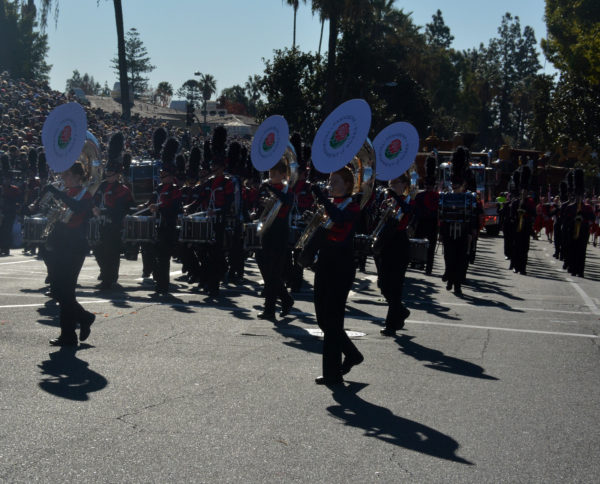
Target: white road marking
x,y
19,262
170,274
348,317
515,330
586,299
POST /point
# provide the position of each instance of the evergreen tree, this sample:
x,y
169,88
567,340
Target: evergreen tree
x,y
138,62
22,49
437,32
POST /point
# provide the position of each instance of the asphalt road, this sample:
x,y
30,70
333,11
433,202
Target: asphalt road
x,y
501,385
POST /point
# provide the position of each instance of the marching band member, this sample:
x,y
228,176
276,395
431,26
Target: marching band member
x,y
239,213
581,215
393,258
334,273
10,196
66,248
112,201
456,234
522,215
166,203
217,197
426,212
272,257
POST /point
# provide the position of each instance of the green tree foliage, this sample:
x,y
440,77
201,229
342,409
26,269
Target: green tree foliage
x,y
22,49
438,33
293,84
573,42
85,83
138,62
190,90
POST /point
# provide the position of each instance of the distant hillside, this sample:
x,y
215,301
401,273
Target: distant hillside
x,y
142,108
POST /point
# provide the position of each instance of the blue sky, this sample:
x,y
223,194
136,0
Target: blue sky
x,y
229,38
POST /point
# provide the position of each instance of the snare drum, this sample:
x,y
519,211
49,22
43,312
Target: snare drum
x,y
418,251
251,238
140,228
33,229
198,229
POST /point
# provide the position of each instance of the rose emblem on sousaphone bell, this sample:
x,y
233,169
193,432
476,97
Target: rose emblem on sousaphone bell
x,y
340,135
269,141
393,149
65,137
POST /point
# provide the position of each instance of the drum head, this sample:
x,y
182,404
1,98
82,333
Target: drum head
x,y
63,136
395,150
341,135
270,142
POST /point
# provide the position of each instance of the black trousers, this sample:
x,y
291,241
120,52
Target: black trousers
x,y
428,229
272,260
163,250
578,251
456,257
391,271
6,232
108,253
509,233
64,264
521,248
334,274
216,264
236,253
558,240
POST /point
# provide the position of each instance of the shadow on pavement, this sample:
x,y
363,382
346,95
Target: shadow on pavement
x,y
381,423
438,360
66,376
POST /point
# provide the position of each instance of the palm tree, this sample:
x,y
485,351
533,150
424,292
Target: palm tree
x,y
252,87
164,91
47,6
294,4
208,86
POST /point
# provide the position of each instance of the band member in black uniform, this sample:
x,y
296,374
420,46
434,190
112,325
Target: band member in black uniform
x,y
456,232
334,273
166,204
159,136
112,201
189,194
217,198
523,215
557,214
10,198
581,215
426,212
238,214
392,257
66,248
272,257
508,224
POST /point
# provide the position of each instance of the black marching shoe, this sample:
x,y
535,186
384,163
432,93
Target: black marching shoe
x,y
286,307
449,286
457,290
321,380
85,326
348,363
268,315
63,341
388,331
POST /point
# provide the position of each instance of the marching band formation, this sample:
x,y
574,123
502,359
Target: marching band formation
x,y
211,215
